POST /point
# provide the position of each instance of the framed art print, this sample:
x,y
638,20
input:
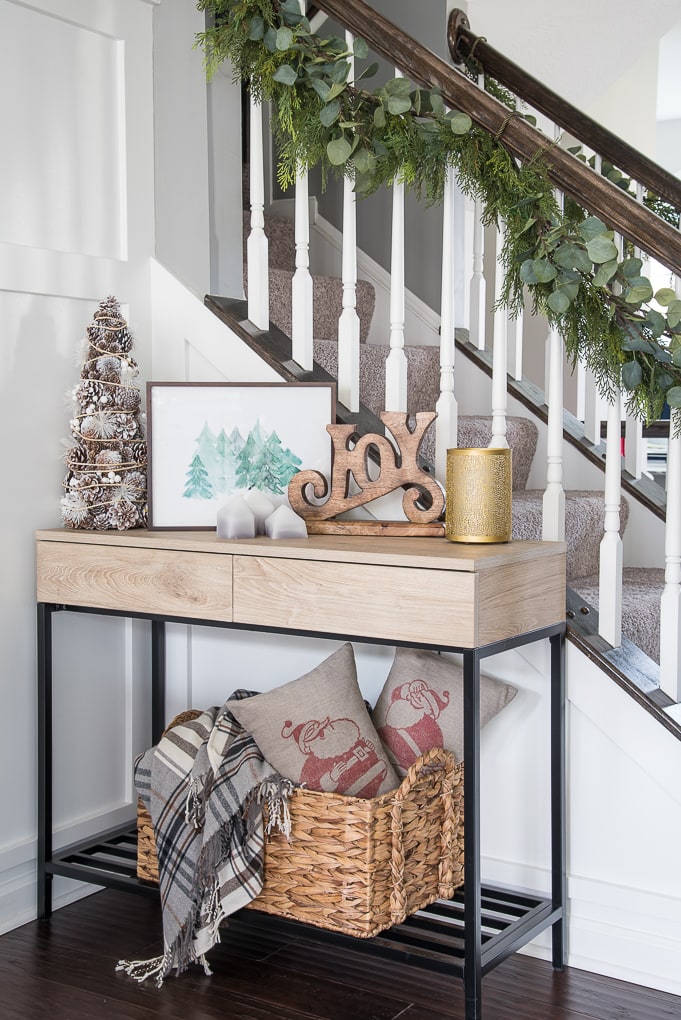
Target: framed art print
x,y
209,441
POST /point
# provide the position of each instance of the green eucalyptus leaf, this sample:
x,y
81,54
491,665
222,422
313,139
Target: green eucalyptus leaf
x,y
656,321
330,113
665,296
256,29
335,90
364,160
270,40
605,273
285,74
369,71
527,273
544,271
339,72
398,87
399,104
639,293
530,118
339,151
437,104
321,88
568,285
416,100
558,302
363,184
632,375
379,117
674,314
636,343
460,123
631,268
676,357
530,222
600,249
673,396
615,176
284,38
592,227
360,48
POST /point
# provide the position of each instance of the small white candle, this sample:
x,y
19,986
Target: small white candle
x,y
285,523
260,506
235,519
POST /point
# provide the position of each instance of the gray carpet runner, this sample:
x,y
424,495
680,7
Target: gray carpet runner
x,y
584,510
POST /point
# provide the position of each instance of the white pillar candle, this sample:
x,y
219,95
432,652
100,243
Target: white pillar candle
x,y
285,523
235,519
261,508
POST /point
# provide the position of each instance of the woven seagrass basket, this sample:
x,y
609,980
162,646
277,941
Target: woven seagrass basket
x,y
357,865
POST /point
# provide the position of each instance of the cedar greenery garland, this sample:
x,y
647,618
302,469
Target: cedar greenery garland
x,y
566,260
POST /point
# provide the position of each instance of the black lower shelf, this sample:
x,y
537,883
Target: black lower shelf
x,y
432,938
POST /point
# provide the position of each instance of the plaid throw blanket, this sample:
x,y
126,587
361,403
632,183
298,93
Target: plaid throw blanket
x,y
204,785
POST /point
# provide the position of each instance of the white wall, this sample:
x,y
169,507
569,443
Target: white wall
x,y
76,224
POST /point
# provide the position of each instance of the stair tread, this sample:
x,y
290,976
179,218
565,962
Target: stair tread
x,y
642,589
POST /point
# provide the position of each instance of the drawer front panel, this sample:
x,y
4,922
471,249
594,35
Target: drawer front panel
x,y
394,603
161,581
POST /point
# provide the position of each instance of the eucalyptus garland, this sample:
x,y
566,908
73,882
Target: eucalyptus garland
x,y
567,260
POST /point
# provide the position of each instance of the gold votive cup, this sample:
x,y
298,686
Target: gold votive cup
x,y
479,495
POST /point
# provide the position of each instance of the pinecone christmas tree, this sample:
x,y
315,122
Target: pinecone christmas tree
x,y
106,483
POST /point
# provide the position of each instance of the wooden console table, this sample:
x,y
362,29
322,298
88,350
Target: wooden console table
x,y
476,600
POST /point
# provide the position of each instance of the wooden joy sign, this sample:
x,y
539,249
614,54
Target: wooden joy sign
x,y
351,484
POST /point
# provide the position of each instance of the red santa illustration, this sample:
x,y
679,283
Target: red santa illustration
x,y
337,757
410,726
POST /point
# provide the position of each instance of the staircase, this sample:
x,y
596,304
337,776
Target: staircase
x,y
584,509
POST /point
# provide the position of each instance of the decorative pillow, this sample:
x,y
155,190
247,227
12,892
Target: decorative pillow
x,y
421,705
317,731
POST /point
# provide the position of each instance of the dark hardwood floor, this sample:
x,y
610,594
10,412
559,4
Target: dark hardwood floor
x,y
64,969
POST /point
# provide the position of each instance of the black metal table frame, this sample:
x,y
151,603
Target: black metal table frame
x,y
448,936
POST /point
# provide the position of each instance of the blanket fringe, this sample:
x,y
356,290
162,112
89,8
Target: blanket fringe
x,y
275,792
140,970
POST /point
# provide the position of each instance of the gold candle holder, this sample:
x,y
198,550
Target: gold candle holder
x,y
478,495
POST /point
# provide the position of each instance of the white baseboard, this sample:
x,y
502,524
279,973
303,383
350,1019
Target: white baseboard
x,y
18,870
631,934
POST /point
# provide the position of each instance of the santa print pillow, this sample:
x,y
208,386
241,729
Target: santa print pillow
x,y
421,705
317,731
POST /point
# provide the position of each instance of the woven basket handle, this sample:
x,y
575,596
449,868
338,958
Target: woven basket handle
x,y
433,760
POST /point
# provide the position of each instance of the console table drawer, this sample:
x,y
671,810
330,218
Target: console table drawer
x,y
167,582
412,604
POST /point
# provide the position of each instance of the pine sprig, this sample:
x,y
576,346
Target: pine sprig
x,y
564,259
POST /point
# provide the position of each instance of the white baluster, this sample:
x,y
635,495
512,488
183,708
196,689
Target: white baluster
x,y
593,409
396,364
446,407
553,526
611,556
257,245
635,447
478,289
514,334
610,573
499,357
301,285
302,348
348,323
670,604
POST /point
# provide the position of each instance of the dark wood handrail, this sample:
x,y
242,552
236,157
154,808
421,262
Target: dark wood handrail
x,y
462,43
600,196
